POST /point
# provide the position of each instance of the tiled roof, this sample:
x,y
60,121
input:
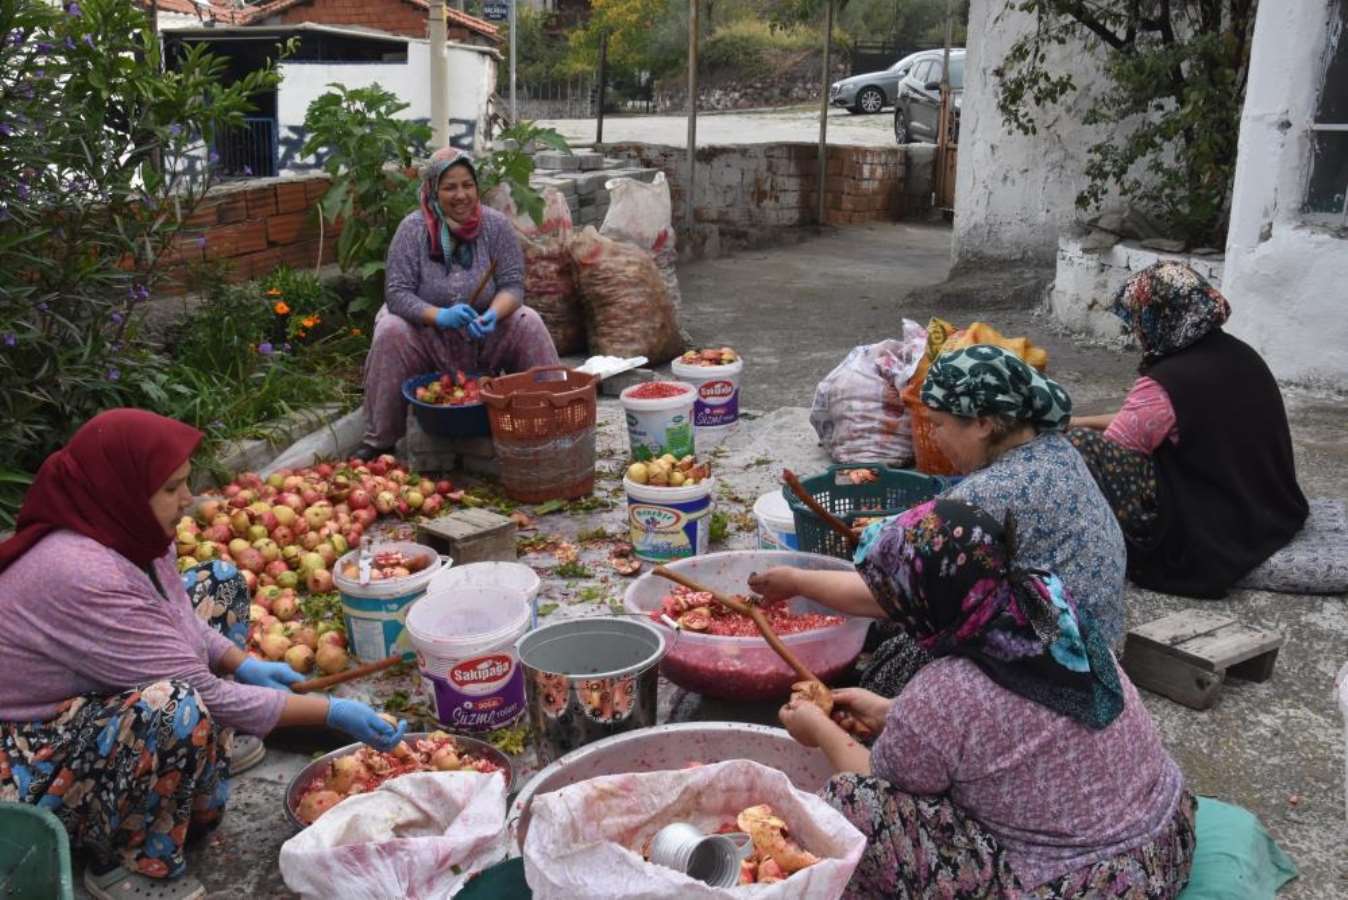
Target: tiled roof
x,y
227,13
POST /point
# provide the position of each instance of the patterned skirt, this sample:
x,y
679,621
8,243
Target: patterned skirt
x,y
130,774
929,847
1126,477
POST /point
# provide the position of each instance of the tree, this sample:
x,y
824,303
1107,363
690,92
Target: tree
x,y
1175,70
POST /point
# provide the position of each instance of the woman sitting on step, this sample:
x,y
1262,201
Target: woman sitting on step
x,y
115,712
1020,762
1197,464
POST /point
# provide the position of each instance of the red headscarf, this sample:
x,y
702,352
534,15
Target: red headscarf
x,y
100,485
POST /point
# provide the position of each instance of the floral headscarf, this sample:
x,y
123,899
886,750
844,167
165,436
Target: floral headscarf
x,y
444,232
943,571
985,380
1168,306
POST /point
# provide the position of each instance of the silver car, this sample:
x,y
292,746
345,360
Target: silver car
x,y
873,91
917,112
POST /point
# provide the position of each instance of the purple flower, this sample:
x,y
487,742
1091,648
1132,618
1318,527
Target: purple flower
x,y
4,212
113,374
118,318
175,129
88,40
43,307
247,170
6,129
43,47
24,191
137,292
214,157
286,347
70,43
17,37
73,9
201,242
10,339
264,348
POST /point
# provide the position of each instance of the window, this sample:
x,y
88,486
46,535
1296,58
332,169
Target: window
x,y
1327,188
957,73
920,70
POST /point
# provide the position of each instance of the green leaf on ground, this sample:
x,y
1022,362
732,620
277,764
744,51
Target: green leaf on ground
x,y
546,609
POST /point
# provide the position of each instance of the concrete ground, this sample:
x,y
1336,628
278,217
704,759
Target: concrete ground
x,y
793,312
767,126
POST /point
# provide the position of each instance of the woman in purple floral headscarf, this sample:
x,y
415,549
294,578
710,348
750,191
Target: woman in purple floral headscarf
x,y
1020,762
1197,464
431,322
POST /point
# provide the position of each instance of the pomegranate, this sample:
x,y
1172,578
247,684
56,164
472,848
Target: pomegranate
x,y
310,540
208,510
249,580
426,487
432,505
206,550
270,550
274,646
414,499
256,533
237,546
310,496
266,597
276,568
231,490
316,803
358,499
220,534
300,658
250,560
256,611
269,521
385,502
284,515
331,659
443,487
311,561
285,607
336,637
306,635
289,580
292,500
239,523
319,581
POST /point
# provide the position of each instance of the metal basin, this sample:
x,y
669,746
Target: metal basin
x,y
306,776
674,747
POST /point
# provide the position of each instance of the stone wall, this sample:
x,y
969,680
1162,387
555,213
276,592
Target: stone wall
x,y
255,226
746,190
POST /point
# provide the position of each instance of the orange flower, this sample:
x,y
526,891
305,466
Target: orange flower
x,y
274,292
310,321
281,309
356,332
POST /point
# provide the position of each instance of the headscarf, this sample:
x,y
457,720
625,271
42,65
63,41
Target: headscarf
x,y
100,485
985,380
444,232
943,571
1168,306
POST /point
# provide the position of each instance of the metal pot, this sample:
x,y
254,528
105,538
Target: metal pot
x,y
589,679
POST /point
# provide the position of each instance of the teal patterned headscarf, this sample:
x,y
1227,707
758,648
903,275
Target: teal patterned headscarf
x,y
984,380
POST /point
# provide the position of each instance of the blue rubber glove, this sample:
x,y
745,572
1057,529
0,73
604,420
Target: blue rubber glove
x,y
457,316
275,675
364,724
483,325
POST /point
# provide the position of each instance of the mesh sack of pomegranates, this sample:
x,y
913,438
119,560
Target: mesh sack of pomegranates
x,y
627,307
590,839
420,835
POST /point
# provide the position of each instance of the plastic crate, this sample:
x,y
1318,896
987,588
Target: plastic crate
x,y
468,420
34,854
893,491
543,429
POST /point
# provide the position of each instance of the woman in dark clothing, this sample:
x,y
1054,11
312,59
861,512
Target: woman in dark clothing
x,y
1197,464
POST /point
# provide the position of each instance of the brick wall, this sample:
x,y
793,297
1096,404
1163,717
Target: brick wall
x,y
743,187
393,16
257,225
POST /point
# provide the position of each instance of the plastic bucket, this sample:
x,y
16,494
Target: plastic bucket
x,y
669,523
660,425
589,679
509,575
776,522
464,636
716,412
375,612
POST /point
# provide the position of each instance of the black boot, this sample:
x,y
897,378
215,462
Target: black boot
x,y
365,452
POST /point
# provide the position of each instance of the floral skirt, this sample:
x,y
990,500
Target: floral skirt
x,y
129,774
1126,477
929,847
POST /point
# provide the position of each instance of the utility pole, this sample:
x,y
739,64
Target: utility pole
x,y
514,115
439,77
823,113
691,191
943,126
603,83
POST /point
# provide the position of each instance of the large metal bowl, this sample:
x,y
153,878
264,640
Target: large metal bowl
x,y
673,747
306,776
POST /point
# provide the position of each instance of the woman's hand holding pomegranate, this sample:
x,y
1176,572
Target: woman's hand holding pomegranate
x,y
275,675
364,724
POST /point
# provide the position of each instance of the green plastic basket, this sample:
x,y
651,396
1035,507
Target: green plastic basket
x,y
34,854
893,491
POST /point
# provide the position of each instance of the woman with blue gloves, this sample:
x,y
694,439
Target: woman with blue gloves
x,y
454,299
118,711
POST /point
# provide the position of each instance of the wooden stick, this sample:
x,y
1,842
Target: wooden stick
x,y
327,681
817,508
482,282
752,612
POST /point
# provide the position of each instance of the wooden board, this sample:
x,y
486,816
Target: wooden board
x,y
1156,669
471,535
1207,640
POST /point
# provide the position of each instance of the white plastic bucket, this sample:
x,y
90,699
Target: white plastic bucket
x,y
669,523
660,425
716,412
776,523
464,636
509,575
374,613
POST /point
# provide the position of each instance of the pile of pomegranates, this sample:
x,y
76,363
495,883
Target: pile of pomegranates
x,y
450,390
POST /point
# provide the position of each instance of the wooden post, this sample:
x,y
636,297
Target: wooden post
x,y
690,192
823,115
440,77
943,124
603,81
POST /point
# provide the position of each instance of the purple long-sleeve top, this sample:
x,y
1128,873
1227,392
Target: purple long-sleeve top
x,y
78,618
413,281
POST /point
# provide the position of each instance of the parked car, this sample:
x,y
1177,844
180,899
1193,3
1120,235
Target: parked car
x,y
917,111
873,91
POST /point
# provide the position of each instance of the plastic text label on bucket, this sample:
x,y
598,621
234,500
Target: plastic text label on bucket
x,y
718,392
659,424
465,641
668,523
776,522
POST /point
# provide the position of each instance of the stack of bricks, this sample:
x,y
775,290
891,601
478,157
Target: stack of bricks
x,y
864,184
256,226
583,178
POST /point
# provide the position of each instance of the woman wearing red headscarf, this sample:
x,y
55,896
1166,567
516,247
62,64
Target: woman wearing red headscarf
x,y
115,713
435,318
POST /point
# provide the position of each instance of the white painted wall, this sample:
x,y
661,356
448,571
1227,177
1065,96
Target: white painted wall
x,y
1015,193
471,73
1287,281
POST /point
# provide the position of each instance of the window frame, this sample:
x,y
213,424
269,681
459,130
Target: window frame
x,y
1332,219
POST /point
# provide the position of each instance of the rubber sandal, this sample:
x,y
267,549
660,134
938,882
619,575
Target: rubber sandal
x,y
247,752
121,884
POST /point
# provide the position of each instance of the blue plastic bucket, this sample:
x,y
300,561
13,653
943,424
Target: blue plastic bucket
x,y
465,421
375,613
669,523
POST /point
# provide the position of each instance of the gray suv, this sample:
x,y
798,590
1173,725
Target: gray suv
x,y
917,111
873,91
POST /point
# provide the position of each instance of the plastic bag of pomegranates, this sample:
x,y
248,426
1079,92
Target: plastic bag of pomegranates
x,y
418,836
591,839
